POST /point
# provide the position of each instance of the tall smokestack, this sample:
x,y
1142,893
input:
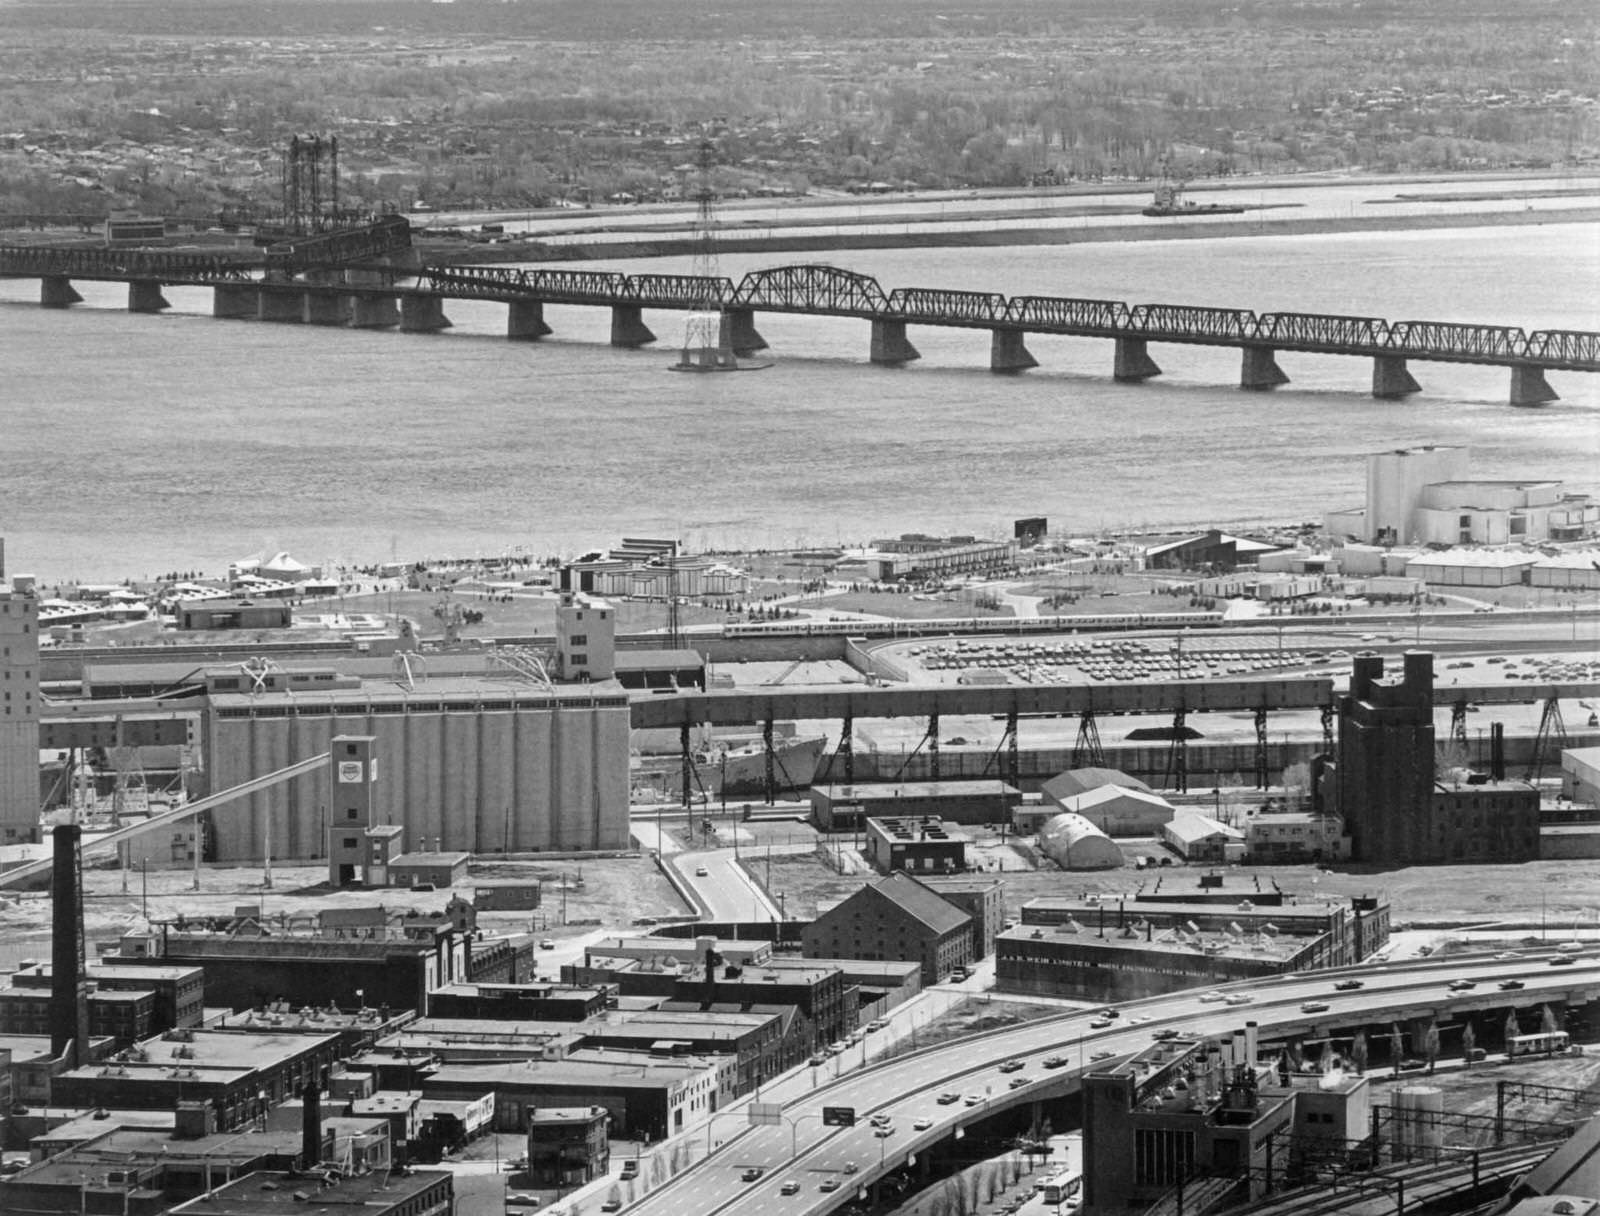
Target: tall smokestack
x,y
69,988
1497,751
310,1125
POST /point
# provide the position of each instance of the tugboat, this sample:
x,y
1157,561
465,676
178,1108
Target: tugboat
x,y
1169,200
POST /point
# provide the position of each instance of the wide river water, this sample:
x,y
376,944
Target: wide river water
x,y
135,444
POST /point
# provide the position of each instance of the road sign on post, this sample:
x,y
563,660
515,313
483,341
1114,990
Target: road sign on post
x,y
766,1113
838,1116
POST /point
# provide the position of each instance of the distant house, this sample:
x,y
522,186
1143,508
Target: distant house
x,y
895,917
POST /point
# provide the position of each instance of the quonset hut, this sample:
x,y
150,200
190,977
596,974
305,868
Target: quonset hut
x,y
1073,843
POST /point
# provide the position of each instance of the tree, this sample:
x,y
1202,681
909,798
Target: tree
x,y
1513,1029
1547,1020
1358,1051
1469,1043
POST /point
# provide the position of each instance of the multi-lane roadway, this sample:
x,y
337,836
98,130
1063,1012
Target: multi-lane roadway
x,y
822,1167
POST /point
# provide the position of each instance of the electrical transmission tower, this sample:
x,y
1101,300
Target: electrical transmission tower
x,y
311,184
707,338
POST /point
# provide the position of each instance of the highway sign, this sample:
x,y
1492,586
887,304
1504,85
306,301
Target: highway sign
x,y
766,1112
838,1116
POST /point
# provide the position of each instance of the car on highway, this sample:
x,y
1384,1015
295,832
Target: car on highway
x,y
1347,985
1110,1011
701,872
1562,960
611,1205
947,1098
922,1125
829,1184
1165,1034
1510,985
1099,1023
881,1120
630,1169
1102,1055
1313,1006
1212,998
850,1167
1506,956
877,1023
1012,1066
1461,985
973,1099
883,1133
1019,1082
818,1057
1238,998
547,944
789,1188
751,1174
1054,1061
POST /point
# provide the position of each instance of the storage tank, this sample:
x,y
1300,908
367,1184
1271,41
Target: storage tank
x,y
1073,843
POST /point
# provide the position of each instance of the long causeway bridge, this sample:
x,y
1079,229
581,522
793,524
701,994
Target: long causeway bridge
x,y
353,279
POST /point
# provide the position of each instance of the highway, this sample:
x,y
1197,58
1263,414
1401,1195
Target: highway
x,y
907,1089
721,886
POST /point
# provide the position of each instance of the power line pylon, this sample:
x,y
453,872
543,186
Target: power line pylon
x,y
708,337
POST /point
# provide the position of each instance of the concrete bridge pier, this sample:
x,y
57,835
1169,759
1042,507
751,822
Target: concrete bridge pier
x,y
628,328
890,347
1008,352
374,312
324,308
56,291
1390,379
145,296
740,327
422,314
1133,363
281,304
525,320
1259,370
1529,387
235,300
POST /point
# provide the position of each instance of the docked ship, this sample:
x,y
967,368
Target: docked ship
x,y
735,768
1169,201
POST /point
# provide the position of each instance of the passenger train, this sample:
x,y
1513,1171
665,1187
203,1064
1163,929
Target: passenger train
x,y
974,625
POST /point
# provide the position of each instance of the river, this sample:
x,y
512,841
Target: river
x,y
136,444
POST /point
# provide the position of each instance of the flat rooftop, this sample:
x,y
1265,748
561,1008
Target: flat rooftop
x,y
381,1190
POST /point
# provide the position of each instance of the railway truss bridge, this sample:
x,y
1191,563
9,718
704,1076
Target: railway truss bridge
x,y
361,278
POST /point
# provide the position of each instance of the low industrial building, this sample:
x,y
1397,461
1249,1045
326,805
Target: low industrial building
x,y
963,802
378,1193
1077,781
1108,950
1294,837
1473,567
1075,843
234,614
1201,838
648,1098
1580,775
1119,811
541,1001
1213,550
918,846
916,557
895,917
439,870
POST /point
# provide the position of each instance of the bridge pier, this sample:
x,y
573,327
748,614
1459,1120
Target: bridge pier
x,y
280,305
56,291
1529,387
1259,370
235,300
889,345
628,328
145,296
525,320
1133,363
741,331
374,312
1008,352
1390,379
324,308
422,314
